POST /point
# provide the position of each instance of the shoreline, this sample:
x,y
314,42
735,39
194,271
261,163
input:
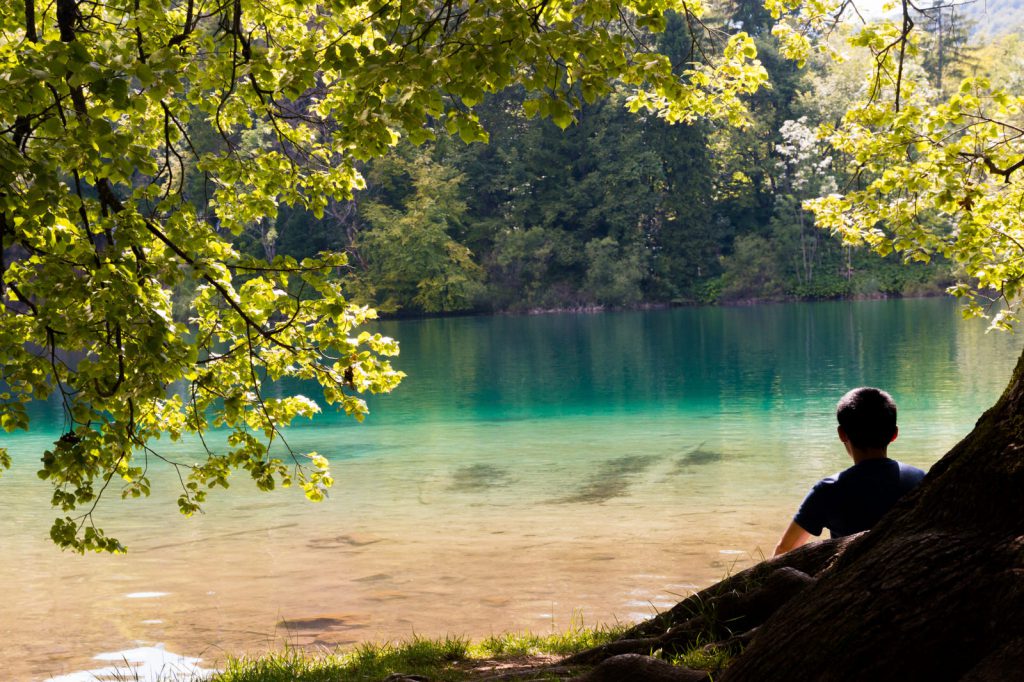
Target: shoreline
x,y
655,305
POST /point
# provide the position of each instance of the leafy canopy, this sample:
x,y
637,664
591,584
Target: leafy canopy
x,y
101,104
929,174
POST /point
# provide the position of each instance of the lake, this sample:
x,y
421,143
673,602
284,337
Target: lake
x,y
530,472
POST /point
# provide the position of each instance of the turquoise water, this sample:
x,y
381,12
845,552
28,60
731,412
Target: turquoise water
x,y
528,470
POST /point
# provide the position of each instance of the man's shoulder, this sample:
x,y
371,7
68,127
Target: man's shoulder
x,y
826,482
909,468
911,473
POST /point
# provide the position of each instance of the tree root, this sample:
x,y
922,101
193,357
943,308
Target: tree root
x,y
637,668
717,614
811,559
545,672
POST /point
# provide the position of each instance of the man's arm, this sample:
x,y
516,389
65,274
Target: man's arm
x,y
794,537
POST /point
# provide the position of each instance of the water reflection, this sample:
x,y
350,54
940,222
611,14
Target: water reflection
x,y
141,664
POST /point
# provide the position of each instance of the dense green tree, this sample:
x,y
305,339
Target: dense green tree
x,y
98,223
301,234
600,178
489,170
745,158
752,271
683,238
945,44
805,173
676,195
614,272
411,258
905,196
1002,60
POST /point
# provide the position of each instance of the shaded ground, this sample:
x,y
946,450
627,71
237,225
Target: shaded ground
x,y
527,667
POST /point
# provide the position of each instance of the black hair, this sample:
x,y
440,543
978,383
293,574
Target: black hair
x,y
868,416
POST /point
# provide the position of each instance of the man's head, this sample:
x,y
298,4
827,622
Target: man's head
x,y
867,416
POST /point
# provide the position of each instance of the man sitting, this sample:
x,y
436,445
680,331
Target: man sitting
x,y
855,499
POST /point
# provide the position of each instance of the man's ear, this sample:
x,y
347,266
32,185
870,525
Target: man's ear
x,y
842,434
895,432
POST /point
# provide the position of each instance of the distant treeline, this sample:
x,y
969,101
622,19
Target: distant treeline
x,y
620,209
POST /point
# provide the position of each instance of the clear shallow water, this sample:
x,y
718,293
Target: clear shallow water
x,y
528,469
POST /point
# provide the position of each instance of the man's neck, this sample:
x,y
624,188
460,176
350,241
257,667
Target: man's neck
x,y
864,455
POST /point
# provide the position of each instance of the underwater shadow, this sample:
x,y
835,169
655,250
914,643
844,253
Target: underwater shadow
x,y
612,479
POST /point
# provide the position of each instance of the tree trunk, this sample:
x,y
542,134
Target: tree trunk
x,y
934,592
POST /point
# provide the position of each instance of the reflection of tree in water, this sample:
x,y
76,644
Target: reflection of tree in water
x,y
773,359
799,350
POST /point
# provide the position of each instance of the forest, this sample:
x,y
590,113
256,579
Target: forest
x,y
622,209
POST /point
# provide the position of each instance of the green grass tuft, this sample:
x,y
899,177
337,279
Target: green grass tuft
x,y
576,638
442,660
704,657
368,662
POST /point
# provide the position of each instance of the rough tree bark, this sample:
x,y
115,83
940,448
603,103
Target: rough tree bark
x,y
934,592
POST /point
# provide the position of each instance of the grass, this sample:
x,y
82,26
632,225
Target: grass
x,y
441,660
430,657
704,657
448,659
575,639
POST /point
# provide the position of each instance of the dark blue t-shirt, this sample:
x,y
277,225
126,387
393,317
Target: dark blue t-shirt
x,y
857,498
